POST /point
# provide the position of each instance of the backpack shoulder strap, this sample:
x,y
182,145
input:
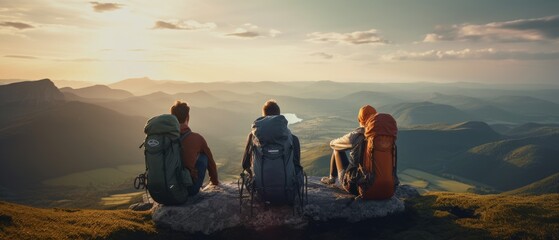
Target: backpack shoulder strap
x,y
184,135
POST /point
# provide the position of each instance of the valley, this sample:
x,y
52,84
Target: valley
x,y
444,137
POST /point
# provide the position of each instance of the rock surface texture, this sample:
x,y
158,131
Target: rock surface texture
x,y
217,207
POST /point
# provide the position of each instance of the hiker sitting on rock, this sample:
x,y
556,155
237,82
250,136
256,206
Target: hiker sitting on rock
x,y
272,158
370,171
339,161
196,154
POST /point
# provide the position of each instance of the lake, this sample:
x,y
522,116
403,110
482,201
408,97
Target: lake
x,y
292,118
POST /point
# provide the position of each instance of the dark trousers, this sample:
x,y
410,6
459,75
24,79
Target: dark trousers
x,y
201,166
338,163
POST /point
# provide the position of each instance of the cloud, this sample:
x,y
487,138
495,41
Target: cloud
x,y
54,59
184,25
21,56
273,32
105,7
244,34
84,60
249,30
353,38
18,25
522,30
322,55
77,60
468,54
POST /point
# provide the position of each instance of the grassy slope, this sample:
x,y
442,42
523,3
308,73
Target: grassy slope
x,y
22,222
490,215
431,216
547,185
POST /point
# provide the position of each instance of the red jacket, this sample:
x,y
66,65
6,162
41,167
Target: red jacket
x,y
193,145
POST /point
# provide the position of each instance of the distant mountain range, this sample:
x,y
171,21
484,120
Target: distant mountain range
x,y
46,132
58,83
97,91
413,103
506,108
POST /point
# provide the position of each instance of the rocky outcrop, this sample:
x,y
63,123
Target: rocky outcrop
x,y
217,207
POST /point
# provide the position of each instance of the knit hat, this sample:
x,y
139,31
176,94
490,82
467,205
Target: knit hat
x,y
365,113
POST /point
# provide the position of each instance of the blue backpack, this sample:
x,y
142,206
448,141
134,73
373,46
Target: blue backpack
x,y
274,177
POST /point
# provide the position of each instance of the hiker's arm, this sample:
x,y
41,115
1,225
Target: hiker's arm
x,y
190,165
212,167
245,161
342,143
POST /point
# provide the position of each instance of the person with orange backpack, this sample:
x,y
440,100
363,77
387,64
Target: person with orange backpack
x,y
370,170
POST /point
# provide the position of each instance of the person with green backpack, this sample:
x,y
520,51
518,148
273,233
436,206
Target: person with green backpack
x,y
176,158
196,155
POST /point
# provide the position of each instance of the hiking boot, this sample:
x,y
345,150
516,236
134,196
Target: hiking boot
x,y
328,180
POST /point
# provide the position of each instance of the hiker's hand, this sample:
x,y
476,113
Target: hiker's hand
x,y
211,186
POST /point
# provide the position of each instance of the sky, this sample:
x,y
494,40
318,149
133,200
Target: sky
x,y
498,41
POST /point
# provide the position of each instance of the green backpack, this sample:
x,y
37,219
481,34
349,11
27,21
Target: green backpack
x,y
167,178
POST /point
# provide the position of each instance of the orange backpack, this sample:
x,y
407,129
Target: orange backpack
x,y
379,161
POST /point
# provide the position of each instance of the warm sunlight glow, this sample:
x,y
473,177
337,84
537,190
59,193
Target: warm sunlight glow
x,y
207,41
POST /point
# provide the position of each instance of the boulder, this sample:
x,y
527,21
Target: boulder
x,y
218,207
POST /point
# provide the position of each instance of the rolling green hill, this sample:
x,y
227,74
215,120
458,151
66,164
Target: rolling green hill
x,y
545,186
509,164
458,101
532,130
432,150
416,113
478,109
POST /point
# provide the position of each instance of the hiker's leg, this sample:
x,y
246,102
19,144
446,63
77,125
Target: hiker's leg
x,y
333,168
201,166
341,162
337,167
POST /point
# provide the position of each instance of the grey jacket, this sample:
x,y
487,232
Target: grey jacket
x,y
348,141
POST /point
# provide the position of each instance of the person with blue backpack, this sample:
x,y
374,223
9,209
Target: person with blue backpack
x,y
272,160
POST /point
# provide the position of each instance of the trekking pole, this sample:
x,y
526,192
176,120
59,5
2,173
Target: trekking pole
x,y
306,188
251,201
241,187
